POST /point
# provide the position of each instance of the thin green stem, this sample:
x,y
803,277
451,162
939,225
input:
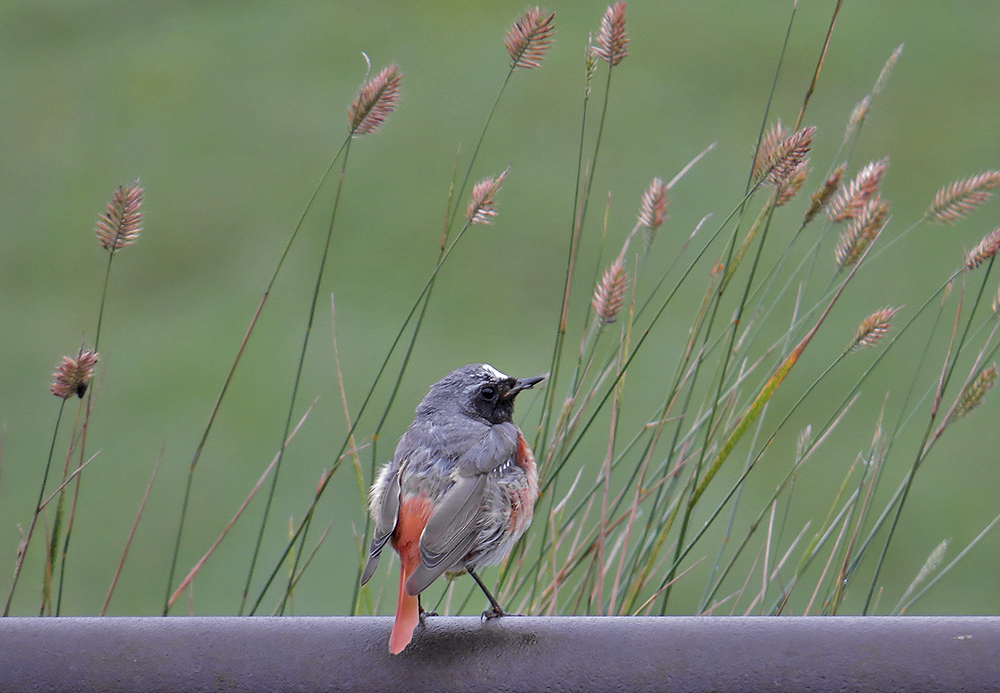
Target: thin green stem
x,y
104,299
927,442
232,372
23,552
298,376
577,219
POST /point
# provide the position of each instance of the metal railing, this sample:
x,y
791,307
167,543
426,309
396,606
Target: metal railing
x,y
912,654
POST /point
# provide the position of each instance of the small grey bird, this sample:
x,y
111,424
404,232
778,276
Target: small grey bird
x,y
459,491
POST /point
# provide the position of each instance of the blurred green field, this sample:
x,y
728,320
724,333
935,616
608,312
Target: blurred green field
x,y
230,112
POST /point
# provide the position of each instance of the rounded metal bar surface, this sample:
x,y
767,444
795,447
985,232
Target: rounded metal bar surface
x,y
912,654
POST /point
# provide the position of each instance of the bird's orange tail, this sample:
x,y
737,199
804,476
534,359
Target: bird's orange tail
x,y
413,515
407,618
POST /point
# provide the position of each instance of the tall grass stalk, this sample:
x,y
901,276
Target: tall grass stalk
x,y
203,440
22,549
297,380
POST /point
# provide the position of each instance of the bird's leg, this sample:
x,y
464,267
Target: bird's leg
x,y
424,614
497,610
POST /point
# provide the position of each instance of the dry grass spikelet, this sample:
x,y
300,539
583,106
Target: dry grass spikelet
x,y
590,62
873,328
610,292
852,198
986,250
822,196
883,76
973,395
612,41
482,206
376,99
803,442
654,209
858,116
861,231
953,202
121,225
529,38
769,145
791,155
779,156
791,187
73,375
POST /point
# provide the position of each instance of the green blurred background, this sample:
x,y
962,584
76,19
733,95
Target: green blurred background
x,y
230,112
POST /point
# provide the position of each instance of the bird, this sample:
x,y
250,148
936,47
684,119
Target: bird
x,y
459,492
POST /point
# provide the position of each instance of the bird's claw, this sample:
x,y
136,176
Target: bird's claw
x,y
494,612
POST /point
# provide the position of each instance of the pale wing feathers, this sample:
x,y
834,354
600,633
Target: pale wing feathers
x,y
385,522
450,532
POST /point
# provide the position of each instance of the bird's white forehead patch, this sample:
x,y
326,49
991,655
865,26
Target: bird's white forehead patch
x,y
494,373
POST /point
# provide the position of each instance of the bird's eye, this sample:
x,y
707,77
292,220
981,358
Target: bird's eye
x,y
488,392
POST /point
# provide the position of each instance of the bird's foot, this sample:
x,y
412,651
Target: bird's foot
x,y
492,613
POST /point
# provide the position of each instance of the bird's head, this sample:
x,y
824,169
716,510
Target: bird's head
x,y
479,391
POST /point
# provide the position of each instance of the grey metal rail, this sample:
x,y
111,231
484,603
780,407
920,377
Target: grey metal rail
x,y
516,653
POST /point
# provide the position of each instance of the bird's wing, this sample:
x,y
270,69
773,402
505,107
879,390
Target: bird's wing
x,y
450,531
386,516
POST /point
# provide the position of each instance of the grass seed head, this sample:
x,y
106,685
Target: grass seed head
x,y
821,197
986,250
121,225
376,99
610,293
612,41
529,38
973,395
791,187
653,211
73,375
954,202
482,206
851,199
873,328
861,231
780,155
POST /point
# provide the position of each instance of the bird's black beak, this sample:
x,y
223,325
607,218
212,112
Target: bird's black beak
x,y
524,384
